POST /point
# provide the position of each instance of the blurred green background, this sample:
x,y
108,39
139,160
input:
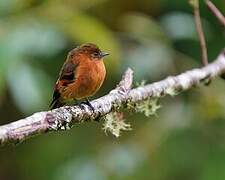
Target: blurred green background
x,y
157,38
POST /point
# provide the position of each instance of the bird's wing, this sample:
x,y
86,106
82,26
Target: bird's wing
x,y
67,73
66,77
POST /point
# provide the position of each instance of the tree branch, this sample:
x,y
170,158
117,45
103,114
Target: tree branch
x,y
65,117
216,12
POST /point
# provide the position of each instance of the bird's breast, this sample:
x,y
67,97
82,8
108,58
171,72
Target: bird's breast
x,y
89,78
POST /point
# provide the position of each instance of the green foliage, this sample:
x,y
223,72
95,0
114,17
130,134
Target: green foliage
x,y
194,3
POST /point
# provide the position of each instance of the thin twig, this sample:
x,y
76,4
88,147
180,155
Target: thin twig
x,y
65,117
216,12
199,29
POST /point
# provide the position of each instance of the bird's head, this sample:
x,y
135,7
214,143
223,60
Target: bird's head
x,y
89,50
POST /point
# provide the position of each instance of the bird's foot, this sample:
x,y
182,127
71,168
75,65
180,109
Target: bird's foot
x,y
87,102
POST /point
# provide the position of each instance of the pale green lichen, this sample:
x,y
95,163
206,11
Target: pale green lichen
x,y
114,123
171,91
141,84
148,107
130,105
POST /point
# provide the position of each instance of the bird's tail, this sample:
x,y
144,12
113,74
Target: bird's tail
x,y
56,102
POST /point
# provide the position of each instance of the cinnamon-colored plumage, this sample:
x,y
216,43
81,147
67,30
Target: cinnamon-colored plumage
x,y
81,76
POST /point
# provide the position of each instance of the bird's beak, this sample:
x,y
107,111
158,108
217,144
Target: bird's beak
x,y
103,54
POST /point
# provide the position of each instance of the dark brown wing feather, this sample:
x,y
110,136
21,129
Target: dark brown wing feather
x,y
67,72
67,76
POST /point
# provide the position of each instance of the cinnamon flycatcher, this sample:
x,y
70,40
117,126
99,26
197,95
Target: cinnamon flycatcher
x,y
81,75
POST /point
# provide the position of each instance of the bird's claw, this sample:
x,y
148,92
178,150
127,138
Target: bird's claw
x,y
87,102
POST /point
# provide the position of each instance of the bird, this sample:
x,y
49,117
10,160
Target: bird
x,y
81,75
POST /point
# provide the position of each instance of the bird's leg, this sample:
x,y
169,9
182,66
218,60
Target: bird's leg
x,y
87,102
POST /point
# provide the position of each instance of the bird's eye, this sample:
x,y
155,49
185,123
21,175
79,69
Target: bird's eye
x,y
95,54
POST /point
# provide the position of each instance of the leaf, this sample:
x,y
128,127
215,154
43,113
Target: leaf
x,y
34,38
142,27
83,28
194,3
29,87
